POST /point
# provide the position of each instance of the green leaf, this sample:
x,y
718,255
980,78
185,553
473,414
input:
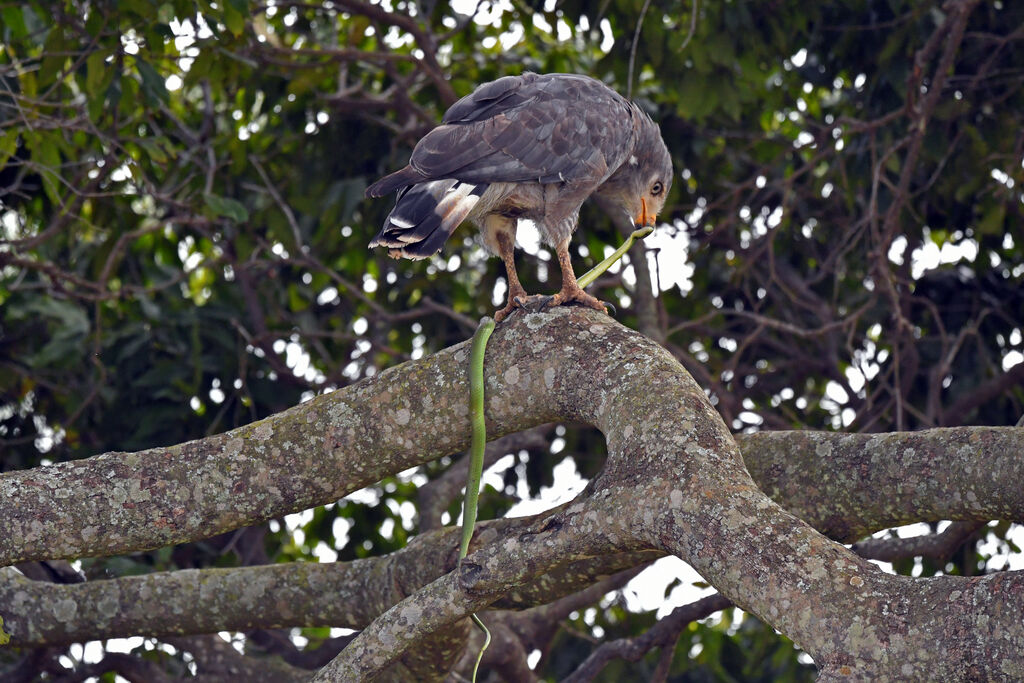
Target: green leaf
x,y
165,13
95,71
54,58
991,222
296,300
14,19
46,155
234,17
153,150
152,82
8,145
5,637
139,7
149,308
198,280
113,97
69,325
227,207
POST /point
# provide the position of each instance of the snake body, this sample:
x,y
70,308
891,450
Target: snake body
x,y
476,416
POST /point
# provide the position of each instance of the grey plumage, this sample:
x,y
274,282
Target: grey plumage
x,y
425,216
530,146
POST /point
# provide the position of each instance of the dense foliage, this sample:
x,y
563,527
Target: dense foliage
x,y
182,235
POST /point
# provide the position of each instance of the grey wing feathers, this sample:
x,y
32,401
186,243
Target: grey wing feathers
x,y
490,99
526,128
395,181
425,216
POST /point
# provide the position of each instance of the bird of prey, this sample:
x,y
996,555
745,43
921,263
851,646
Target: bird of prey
x,y
533,146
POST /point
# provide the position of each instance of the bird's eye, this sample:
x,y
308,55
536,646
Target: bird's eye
x,y
657,189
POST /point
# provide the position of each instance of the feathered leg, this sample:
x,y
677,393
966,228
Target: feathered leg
x,y
571,290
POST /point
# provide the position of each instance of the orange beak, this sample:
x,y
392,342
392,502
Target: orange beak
x,y
644,219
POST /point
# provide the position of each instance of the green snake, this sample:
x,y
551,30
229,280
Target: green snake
x,y
476,453
476,416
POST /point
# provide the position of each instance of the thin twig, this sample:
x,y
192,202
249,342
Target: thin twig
x,y
632,49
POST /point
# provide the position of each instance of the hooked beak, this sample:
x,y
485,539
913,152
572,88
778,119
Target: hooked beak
x,y
644,219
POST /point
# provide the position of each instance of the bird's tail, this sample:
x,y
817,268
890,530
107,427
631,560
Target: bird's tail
x,y
425,216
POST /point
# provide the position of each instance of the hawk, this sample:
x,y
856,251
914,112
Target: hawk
x,y
533,146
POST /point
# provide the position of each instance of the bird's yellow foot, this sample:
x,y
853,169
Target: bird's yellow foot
x,y
575,295
519,301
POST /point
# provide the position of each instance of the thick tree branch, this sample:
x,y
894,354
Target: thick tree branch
x,y
850,485
570,534
321,450
515,634
708,512
673,482
935,546
267,596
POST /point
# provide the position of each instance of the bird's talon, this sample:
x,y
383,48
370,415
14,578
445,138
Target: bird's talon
x,y
516,302
609,304
500,316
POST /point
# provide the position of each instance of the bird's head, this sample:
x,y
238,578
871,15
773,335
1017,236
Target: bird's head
x,y
640,185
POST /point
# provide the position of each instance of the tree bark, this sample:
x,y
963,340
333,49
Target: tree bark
x,y
674,482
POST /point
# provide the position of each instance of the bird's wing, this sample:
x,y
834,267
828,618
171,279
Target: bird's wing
x,y
550,128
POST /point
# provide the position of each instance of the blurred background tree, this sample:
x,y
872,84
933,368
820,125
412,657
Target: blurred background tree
x,y
182,246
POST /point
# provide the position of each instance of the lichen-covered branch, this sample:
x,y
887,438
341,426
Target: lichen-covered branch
x,y
850,485
268,596
334,444
940,546
553,540
674,482
516,633
309,455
